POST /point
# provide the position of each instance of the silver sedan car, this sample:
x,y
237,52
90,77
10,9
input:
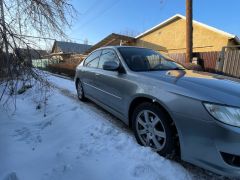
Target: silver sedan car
x,y
170,109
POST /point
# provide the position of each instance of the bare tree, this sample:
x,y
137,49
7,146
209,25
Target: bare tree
x,y
128,32
28,17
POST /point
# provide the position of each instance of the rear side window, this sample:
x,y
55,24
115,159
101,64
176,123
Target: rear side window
x,y
107,55
92,60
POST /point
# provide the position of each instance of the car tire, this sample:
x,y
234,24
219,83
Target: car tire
x,y
155,132
80,91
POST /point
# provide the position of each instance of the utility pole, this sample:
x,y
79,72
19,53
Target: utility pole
x,y
189,31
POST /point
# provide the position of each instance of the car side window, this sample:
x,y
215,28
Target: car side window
x,y
107,55
92,60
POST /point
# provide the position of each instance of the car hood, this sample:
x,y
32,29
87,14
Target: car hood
x,y
200,85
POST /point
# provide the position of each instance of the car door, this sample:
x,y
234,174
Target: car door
x,y
110,83
88,73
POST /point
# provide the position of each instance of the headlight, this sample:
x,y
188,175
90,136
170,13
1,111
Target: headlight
x,y
225,114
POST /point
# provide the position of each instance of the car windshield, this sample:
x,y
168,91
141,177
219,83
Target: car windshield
x,y
141,59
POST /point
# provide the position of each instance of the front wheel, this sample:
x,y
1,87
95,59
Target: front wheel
x,y
80,92
152,128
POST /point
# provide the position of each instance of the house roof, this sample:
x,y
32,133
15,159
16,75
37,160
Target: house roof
x,y
112,39
70,47
34,54
179,16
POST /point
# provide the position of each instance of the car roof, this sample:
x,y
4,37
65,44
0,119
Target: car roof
x,y
116,47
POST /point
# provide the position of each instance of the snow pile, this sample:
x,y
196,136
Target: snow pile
x,y
73,142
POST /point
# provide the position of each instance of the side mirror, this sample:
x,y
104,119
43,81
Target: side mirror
x,y
110,65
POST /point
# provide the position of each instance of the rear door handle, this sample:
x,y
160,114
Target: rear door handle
x,y
97,74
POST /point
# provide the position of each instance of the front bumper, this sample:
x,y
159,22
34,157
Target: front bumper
x,y
205,142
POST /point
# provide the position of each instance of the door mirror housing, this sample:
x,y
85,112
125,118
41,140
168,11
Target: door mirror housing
x,y
111,65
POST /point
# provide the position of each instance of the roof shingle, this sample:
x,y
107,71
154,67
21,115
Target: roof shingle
x,y
70,47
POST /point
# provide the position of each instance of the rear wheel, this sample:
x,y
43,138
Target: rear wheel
x,y
152,128
80,92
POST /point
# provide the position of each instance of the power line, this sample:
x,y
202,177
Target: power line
x,y
46,38
37,37
90,10
91,7
99,14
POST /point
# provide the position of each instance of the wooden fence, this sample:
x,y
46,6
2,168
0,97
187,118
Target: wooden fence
x,y
178,57
207,60
231,63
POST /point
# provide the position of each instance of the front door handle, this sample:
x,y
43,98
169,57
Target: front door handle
x,y
97,74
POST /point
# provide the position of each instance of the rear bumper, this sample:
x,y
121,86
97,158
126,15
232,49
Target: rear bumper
x,y
205,142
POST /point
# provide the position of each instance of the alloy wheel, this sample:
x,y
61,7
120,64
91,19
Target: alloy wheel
x,y
150,130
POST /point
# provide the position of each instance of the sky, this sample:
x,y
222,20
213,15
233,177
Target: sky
x,y
98,18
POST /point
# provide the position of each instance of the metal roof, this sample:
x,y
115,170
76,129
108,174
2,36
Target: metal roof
x,y
33,53
70,47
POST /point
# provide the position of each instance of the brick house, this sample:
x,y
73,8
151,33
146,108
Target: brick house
x,y
170,37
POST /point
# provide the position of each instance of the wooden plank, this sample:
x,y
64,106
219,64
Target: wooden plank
x,y
225,66
234,63
209,60
229,62
237,69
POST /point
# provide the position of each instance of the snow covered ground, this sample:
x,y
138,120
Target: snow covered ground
x,y
76,141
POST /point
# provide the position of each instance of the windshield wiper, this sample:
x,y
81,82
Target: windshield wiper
x,y
178,68
169,69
